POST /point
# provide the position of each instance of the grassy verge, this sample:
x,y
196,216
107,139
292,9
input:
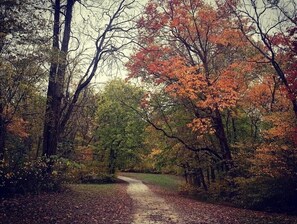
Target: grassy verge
x,y
169,182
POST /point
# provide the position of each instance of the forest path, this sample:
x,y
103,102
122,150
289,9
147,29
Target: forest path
x,y
150,208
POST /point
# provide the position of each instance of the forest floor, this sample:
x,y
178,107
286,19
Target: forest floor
x,y
135,203
85,204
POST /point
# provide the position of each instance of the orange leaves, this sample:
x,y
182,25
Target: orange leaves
x,y
269,160
15,125
229,36
283,127
193,51
201,126
148,61
266,95
18,127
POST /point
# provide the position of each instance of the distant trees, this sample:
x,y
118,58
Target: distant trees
x,y
121,131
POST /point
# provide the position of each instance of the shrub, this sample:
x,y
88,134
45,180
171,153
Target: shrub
x,y
275,194
29,177
91,172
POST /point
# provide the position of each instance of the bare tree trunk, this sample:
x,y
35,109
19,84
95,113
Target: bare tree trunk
x,y
234,130
282,76
212,174
2,133
221,135
57,116
208,176
202,178
2,138
52,130
111,162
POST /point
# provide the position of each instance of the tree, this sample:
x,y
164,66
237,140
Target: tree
x,y
110,38
20,63
269,26
21,24
18,82
120,130
183,48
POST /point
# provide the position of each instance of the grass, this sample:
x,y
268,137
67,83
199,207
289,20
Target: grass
x,y
106,189
169,182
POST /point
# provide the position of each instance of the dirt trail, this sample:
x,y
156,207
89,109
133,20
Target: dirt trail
x,y
150,208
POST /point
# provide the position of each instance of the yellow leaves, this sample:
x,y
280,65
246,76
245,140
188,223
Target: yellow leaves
x,y
155,152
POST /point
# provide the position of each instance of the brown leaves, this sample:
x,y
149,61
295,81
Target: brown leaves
x,y
82,204
18,127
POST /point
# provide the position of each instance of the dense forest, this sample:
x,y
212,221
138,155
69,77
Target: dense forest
x,y
202,89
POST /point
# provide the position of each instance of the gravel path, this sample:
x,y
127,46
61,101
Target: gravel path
x,y
120,203
197,212
149,207
153,204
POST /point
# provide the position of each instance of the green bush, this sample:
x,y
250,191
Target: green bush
x,y
91,172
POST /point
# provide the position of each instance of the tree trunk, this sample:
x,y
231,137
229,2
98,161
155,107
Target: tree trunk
x,y
52,130
221,135
208,176
282,76
112,160
202,179
196,178
2,139
234,130
2,133
212,174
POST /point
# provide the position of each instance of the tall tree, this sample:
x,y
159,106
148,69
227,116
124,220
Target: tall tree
x,y
183,48
110,37
56,76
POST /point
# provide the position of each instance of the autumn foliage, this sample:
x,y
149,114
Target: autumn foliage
x,y
233,103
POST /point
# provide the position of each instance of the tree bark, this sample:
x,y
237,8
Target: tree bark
x,y
2,138
112,160
212,174
52,130
282,76
221,135
202,178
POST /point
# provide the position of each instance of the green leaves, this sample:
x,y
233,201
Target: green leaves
x,y
121,129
